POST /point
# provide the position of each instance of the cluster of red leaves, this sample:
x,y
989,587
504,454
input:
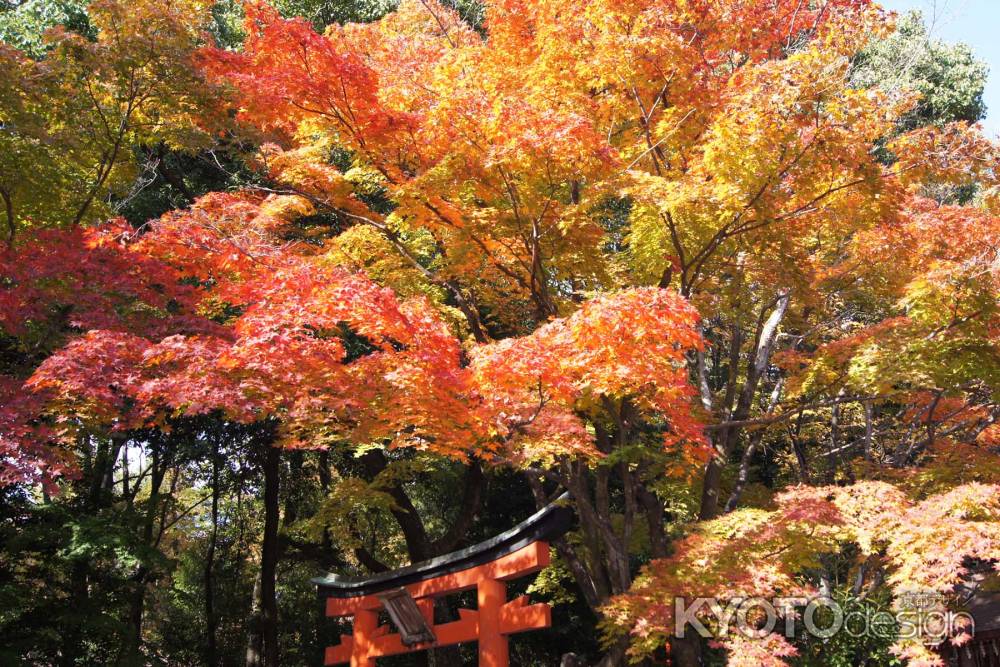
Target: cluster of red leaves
x,y
287,72
926,234
287,358
330,354
27,454
283,354
631,344
226,239
90,278
56,284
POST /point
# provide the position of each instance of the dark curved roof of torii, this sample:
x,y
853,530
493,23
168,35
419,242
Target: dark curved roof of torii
x,y
547,523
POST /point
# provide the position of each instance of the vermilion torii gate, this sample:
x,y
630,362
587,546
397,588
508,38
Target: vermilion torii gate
x,y
407,594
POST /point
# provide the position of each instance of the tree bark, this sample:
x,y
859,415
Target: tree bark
x,y
175,180
686,652
269,557
751,450
211,621
833,456
869,427
615,655
800,452
767,332
255,640
131,652
79,594
8,207
262,650
472,493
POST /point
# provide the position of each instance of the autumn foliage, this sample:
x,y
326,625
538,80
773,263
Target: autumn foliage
x,y
637,250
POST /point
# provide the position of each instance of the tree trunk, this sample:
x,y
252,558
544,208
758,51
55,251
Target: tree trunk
x,y
79,594
615,655
269,557
686,652
8,206
869,412
767,332
255,640
211,621
755,439
833,453
262,650
799,449
131,652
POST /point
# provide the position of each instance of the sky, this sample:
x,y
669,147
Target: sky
x,y
975,22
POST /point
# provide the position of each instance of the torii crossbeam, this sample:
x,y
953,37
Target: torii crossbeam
x,y
486,567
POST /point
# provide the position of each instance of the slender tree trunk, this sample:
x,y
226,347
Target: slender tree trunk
x,y
98,472
268,625
869,410
767,332
653,508
125,474
744,474
175,180
131,653
79,593
89,488
325,483
711,483
118,443
255,640
211,622
615,655
686,652
832,457
748,454
800,452
8,207
295,459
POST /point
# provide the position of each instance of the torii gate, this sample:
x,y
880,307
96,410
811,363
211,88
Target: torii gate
x,y
408,593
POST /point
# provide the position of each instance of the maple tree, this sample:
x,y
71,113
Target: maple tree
x,y
747,207
72,116
753,553
333,357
